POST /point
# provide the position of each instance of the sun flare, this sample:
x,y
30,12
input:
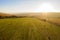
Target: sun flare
x,y
46,7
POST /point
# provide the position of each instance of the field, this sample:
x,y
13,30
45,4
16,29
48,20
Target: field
x,y
54,20
28,29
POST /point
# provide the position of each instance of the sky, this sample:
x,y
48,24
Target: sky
x,y
13,6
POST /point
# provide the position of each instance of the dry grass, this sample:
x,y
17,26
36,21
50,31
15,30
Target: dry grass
x,y
55,20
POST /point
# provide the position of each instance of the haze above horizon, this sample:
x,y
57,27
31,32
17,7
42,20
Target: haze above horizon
x,y
14,6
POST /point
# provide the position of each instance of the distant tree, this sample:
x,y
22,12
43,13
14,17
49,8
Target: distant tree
x,y
6,16
13,16
1,17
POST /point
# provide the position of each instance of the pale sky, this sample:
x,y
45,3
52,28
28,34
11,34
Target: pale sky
x,y
13,6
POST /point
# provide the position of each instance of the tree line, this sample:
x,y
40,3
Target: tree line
x,y
1,17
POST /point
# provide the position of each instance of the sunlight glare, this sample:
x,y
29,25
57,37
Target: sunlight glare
x,y
46,7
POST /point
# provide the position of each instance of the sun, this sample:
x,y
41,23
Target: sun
x,y
46,7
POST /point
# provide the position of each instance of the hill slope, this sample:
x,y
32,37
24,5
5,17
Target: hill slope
x,y
28,29
5,14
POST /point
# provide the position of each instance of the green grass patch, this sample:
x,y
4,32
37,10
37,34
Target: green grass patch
x,y
28,29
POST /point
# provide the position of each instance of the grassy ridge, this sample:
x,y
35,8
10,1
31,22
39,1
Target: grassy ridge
x,y
55,20
28,29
